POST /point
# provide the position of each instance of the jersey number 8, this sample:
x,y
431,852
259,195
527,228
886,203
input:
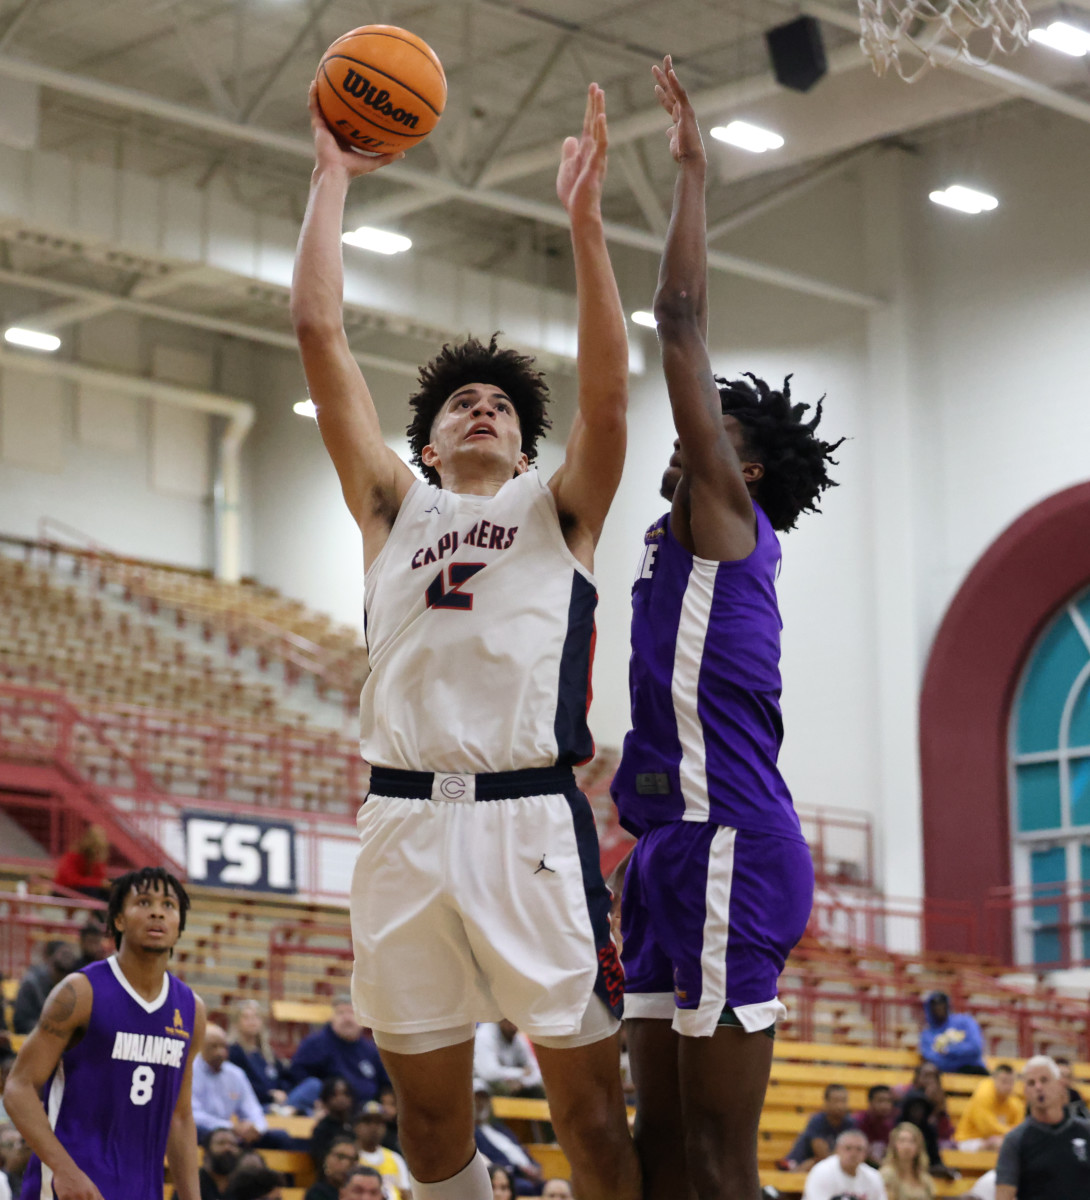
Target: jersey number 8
x,y
143,1080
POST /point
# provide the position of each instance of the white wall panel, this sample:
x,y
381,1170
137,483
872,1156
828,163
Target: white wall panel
x,y
108,421
32,413
179,451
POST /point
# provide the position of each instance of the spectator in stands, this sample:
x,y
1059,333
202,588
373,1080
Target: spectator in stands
x,y
363,1183
876,1121
218,1163
503,1187
917,1110
340,1106
251,1051
387,1097
905,1170
370,1129
992,1112
14,1156
341,1156
92,945
254,1183
59,960
844,1174
952,1041
557,1189
501,1147
926,1079
504,1059
339,1048
83,868
983,1189
7,1061
222,1095
1048,1155
821,1132
1076,1105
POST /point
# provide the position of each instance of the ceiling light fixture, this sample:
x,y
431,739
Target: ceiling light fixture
x,y
305,408
964,199
1068,39
380,241
748,137
32,339
646,319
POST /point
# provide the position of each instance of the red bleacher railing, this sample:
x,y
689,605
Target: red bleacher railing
x,y
26,921
859,921
1048,924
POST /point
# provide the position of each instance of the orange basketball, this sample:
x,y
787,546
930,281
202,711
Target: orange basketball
x,y
381,88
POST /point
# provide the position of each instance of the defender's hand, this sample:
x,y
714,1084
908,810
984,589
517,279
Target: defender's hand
x,y
583,160
332,151
684,133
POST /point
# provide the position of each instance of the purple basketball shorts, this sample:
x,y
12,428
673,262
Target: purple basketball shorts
x,y
708,918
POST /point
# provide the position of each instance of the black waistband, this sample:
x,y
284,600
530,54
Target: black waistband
x,y
498,785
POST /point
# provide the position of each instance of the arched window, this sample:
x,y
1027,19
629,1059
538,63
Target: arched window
x,y
1050,789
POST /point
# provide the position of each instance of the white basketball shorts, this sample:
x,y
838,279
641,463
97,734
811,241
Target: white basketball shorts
x,y
476,897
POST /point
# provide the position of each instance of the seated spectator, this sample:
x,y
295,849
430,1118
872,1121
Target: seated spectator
x,y
983,1189
501,1147
926,1079
504,1059
251,1051
876,1121
502,1186
844,1173
917,1110
952,1041
992,1112
58,960
83,868
905,1170
219,1160
387,1097
92,944
1047,1155
341,1156
370,1128
254,1183
819,1136
557,1189
363,1183
7,1061
1076,1105
14,1156
222,1096
339,1048
340,1106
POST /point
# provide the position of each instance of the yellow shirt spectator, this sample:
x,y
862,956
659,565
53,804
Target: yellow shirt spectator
x,y
992,1112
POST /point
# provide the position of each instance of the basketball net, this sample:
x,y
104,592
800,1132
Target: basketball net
x,y
937,32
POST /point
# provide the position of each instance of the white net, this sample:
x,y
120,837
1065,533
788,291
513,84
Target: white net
x,y
911,35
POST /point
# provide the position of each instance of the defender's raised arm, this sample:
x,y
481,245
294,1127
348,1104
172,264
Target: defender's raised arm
x,y
594,458
713,515
373,478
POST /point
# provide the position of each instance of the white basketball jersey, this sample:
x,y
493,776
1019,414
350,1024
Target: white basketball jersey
x,y
480,635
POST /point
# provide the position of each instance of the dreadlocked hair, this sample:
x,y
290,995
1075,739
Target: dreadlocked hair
x,y
145,879
472,361
794,458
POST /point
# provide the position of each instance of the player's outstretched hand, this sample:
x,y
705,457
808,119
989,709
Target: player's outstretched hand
x,y
684,133
330,151
583,161
74,1185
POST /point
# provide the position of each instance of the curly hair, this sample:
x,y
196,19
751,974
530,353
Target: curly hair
x,y
145,879
472,361
794,458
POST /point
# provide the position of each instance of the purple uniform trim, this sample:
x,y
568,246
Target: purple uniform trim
x,y
112,1097
705,685
708,917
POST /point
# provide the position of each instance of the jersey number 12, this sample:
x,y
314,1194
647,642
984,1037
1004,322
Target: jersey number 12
x,y
438,596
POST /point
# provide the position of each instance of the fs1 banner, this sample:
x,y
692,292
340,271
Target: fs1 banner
x,y
227,852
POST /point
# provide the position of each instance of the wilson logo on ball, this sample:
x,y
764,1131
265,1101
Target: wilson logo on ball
x,y
377,98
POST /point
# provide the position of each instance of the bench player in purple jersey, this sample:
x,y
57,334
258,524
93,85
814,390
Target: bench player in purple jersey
x,y
719,886
101,1087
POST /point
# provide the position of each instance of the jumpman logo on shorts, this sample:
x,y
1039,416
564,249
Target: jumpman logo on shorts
x,y
542,867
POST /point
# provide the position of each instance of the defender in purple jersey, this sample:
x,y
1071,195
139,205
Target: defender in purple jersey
x,y
101,1087
719,885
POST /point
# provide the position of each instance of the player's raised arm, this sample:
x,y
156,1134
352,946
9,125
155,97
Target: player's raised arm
x,y
66,1013
182,1156
717,507
374,480
594,458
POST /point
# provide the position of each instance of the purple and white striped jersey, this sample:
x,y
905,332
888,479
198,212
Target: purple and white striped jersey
x,y
111,1099
705,684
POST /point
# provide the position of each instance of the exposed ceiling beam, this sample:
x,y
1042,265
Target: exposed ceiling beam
x,y
15,22
643,189
301,147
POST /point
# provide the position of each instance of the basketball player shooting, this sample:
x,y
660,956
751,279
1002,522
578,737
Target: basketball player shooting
x,y
719,886
101,1088
477,892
